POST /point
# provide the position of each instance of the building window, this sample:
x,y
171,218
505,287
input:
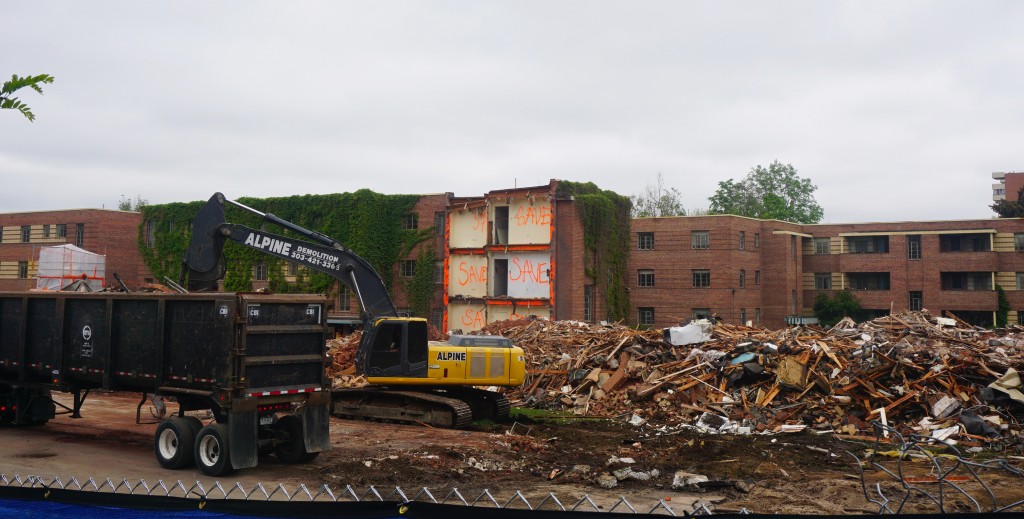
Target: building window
x,y
344,299
293,269
80,235
261,271
966,280
26,233
645,278
501,225
62,230
437,318
1020,281
1018,241
438,272
868,244
757,240
822,245
869,280
407,268
792,246
439,223
743,316
700,239
46,230
999,191
411,221
757,277
743,240
914,246
645,315
645,240
743,278
404,312
914,302
22,270
757,315
964,243
150,233
823,281
701,278
588,303
701,313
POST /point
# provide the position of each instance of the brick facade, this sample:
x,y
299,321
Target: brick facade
x,y
108,232
950,265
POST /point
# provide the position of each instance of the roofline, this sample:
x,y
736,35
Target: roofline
x,y
69,211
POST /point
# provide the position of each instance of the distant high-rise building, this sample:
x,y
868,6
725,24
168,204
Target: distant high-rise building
x,y
1008,186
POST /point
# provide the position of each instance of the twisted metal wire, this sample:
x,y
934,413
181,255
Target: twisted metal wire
x,y
949,470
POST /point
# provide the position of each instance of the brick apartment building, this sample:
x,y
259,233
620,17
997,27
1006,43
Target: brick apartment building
x,y
102,231
514,253
769,272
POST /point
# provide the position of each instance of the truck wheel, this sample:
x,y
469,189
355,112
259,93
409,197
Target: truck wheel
x,y
173,443
293,448
213,456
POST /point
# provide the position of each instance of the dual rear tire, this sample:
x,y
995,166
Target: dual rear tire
x,y
181,442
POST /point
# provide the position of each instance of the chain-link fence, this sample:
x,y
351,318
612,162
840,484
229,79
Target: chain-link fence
x,y
260,492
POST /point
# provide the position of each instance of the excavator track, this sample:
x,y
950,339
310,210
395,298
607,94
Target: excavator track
x,y
486,405
403,406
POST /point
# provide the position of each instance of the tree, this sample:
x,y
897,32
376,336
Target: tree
x,y
1010,208
17,83
831,310
127,204
657,200
775,192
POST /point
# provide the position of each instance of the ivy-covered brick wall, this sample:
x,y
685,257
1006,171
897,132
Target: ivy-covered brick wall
x,y
369,223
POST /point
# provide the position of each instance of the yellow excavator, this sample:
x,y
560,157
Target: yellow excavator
x,y
410,378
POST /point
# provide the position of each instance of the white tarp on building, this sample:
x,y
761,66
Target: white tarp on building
x,y
62,265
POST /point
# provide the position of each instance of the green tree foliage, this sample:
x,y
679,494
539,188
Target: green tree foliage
x,y
1010,208
657,200
127,204
8,101
775,192
606,240
1003,307
831,310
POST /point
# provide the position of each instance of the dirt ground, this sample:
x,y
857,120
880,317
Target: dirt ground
x,y
793,473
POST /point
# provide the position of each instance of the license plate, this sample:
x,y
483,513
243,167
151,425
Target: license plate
x,y
267,420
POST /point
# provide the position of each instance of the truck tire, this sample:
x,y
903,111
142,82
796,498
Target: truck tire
x,y
212,453
293,448
173,443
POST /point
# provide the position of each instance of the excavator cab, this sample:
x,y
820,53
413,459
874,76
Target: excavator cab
x,y
397,348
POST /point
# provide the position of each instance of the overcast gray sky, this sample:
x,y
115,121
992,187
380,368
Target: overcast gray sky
x,y
895,110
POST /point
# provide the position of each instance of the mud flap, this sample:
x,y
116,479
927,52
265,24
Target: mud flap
x,y
242,439
316,424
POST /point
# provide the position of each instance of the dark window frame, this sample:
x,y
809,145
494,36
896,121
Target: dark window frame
x,y
700,240
701,278
645,241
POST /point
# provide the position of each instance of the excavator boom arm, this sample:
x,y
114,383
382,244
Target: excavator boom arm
x,y
203,260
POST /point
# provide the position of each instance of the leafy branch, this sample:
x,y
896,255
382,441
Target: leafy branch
x,y
16,83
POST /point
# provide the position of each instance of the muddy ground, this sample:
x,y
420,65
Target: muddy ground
x,y
794,473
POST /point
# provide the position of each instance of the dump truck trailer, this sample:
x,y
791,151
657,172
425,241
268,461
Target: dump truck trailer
x,y
253,362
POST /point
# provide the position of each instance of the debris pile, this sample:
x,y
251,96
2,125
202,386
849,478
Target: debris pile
x,y
919,374
342,350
